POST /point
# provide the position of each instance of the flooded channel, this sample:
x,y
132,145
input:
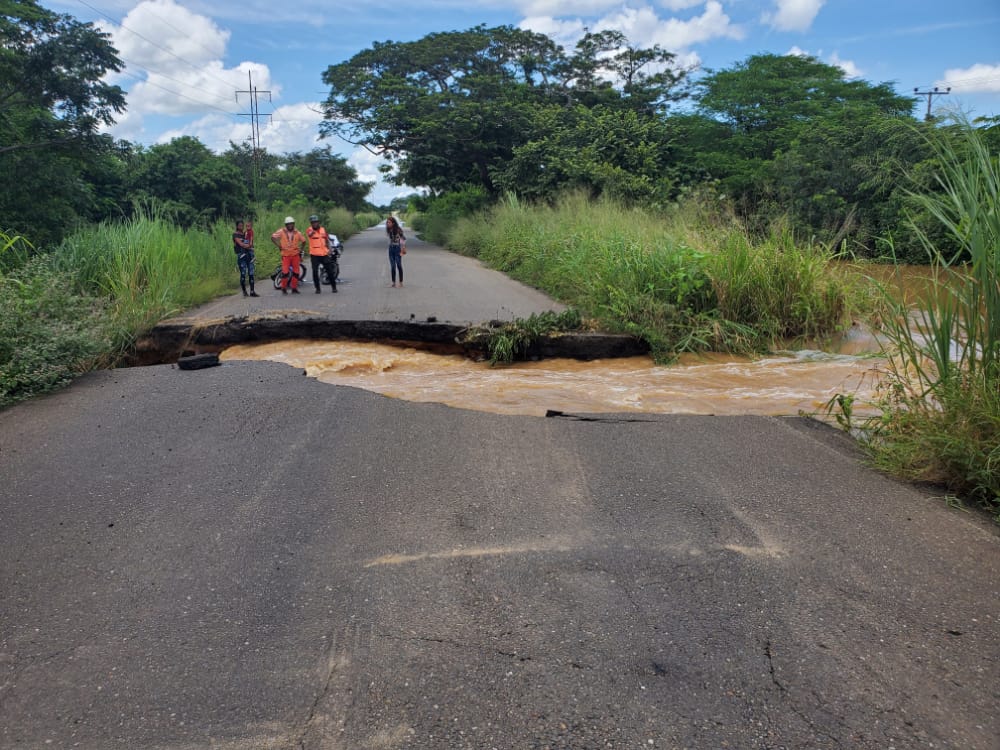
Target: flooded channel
x,y
786,384
799,382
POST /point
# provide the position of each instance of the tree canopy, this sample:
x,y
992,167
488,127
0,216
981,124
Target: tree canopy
x,y
52,102
52,90
451,108
790,135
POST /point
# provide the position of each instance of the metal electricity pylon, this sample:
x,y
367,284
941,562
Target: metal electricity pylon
x,y
256,147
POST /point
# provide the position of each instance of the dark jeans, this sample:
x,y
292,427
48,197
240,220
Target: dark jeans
x,y
396,261
245,262
322,260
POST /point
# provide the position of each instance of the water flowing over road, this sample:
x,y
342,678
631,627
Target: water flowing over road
x,y
778,385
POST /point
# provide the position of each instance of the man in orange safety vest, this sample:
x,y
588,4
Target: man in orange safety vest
x,y
289,241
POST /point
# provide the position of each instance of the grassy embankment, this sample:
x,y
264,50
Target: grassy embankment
x,y
82,305
940,413
689,280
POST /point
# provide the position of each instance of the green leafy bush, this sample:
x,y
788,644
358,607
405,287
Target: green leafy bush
x,y
48,333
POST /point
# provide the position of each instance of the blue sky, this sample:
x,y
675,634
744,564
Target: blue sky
x,y
186,59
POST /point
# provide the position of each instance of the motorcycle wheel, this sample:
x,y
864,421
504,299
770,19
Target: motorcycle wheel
x,y
324,277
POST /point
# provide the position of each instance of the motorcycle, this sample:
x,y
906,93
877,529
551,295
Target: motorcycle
x,y
334,248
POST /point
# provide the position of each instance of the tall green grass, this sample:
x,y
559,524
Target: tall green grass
x,y
687,280
940,419
147,269
83,304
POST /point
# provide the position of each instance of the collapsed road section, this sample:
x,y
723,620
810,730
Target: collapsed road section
x,y
179,337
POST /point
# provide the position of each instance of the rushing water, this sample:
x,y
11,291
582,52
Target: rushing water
x,y
787,384
802,381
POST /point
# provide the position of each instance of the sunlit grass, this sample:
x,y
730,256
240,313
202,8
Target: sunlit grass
x,y
147,269
691,280
940,418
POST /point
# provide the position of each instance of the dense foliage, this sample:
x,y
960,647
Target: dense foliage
x,y
53,100
451,109
495,111
63,173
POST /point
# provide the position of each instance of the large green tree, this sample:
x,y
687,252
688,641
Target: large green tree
x,y
791,135
450,109
189,181
318,177
621,154
53,101
330,180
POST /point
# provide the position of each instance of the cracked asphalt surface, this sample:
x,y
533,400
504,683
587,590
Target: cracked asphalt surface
x,y
242,557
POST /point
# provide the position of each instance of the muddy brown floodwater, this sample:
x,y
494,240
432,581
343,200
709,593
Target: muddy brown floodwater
x,y
787,384
799,382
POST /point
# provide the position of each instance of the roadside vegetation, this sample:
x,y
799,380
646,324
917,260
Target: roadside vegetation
x,y
940,412
688,279
83,305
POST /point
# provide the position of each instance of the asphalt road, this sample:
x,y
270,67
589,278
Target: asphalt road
x,y
242,557
448,287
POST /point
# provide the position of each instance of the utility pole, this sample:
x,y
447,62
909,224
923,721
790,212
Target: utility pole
x,y
256,147
930,95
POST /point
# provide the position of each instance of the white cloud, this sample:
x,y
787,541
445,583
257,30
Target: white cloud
x,y
679,4
565,7
294,127
563,32
176,57
164,35
850,68
213,87
366,164
793,15
643,26
980,78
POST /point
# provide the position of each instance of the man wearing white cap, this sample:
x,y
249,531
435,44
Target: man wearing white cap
x,y
289,241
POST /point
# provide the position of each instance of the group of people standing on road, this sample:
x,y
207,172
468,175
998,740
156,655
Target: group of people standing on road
x,y
290,242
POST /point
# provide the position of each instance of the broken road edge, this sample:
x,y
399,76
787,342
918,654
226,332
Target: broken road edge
x,y
175,338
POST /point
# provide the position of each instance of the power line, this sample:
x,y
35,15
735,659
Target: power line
x,y
120,25
148,82
254,130
930,95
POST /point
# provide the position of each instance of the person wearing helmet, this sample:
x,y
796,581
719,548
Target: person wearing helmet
x,y
319,254
289,241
